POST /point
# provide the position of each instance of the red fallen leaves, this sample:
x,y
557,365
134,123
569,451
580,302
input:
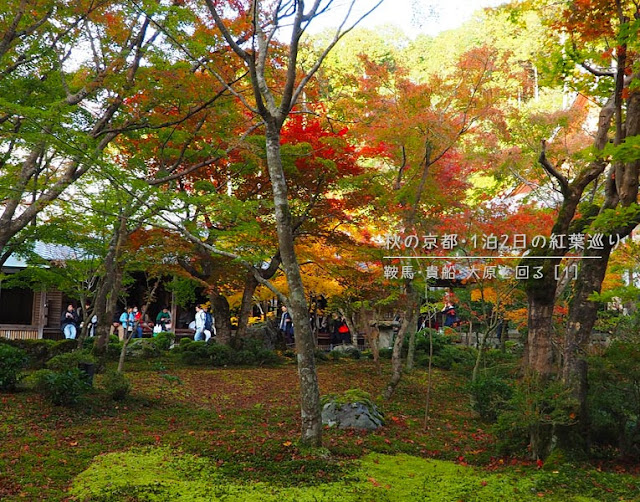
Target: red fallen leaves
x,y
399,421
375,483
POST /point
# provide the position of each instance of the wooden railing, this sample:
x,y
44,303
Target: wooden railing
x,y
13,332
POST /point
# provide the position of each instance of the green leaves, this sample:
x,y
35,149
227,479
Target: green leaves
x,y
628,151
611,219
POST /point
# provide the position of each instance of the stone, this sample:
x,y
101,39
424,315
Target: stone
x,y
357,415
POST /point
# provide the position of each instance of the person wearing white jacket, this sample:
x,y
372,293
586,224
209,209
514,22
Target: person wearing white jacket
x,y
200,321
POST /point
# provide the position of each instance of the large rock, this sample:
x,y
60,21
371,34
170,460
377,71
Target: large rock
x,y
358,415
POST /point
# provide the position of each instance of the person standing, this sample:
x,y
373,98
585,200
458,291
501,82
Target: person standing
x,y
86,315
200,322
209,324
286,326
69,322
126,320
344,334
450,317
137,323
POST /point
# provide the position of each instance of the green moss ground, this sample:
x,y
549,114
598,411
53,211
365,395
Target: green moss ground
x,y
159,474
237,430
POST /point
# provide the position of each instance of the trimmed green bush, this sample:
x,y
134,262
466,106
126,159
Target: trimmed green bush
x,y
215,354
490,396
143,348
116,385
38,352
113,350
164,340
219,355
62,388
614,400
12,361
70,360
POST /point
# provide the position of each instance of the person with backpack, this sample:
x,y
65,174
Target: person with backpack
x,y
201,318
209,324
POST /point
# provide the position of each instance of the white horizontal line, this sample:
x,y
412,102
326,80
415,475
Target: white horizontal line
x,y
491,257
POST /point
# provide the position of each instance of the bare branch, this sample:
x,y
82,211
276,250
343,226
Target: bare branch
x,y
290,99
552,171
597,72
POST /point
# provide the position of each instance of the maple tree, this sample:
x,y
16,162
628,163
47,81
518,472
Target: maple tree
x,y
422,126
253,46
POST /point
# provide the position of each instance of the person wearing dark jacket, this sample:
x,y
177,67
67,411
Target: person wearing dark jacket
x,y
450,317
69,322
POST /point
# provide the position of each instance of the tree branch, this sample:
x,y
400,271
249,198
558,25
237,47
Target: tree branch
x,y
552,171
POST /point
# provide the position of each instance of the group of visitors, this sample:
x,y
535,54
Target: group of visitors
x,y
203,324
131,322
73,319
338,328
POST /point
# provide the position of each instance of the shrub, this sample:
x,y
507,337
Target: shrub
x,y
320,355
12,361
385,353
219,355
242,357
502,364
450,357
60,387
438,340
63,347
194,353
144,348
164,340
70,360
535,405
113,350
265,357
116,385
38,352
614,402
215,354
490,395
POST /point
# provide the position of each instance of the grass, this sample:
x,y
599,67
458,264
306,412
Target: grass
x,y
239,428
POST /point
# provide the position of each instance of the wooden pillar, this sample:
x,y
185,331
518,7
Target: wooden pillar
x,y
42,314
174,312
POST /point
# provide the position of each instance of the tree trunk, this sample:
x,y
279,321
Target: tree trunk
x,y
250,286
307,374
371,335
622,190
396,355
104,303
539,346
246,306
221,315
412,344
